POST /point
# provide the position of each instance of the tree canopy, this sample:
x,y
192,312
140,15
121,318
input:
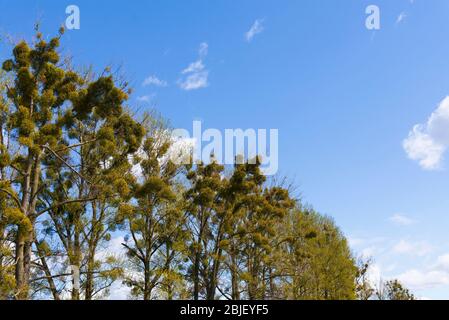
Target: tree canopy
x,y
78,168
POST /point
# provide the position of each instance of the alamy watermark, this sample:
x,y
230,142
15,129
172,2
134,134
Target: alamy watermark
x,y
227,147
73,21
372,22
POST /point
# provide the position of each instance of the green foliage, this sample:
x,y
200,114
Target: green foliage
x,y
364,288
393,290
154,219
68,138
16,217
76,167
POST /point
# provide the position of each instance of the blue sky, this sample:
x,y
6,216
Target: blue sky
x,y
344,99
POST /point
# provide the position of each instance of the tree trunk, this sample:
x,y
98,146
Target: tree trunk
x,y
22,286
147,289
24,237
235,294
89,277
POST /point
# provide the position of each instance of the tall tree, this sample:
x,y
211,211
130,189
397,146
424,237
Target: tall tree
x,y
7,281
256,211
206,221
48,100
313,260
82,229
364,287
393,290
153,220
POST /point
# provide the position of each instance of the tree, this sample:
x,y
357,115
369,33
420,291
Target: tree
x,y
393,290
47,101
260,239
82,229
313,261
77,167
364,288
252,210
206,222
153,219
7,281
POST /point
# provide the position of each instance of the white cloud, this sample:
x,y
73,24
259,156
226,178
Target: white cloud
x,y
419,280
427,143
368,252
369,247
181,150
203,50
154,81
401,220
421,147
401,17
113,247
354,242
443,261
146,98
196,75
435,275
195,81
194,67
374,274
119,291
419,249
255,29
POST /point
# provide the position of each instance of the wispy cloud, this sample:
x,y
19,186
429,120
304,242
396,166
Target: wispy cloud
x,y
369,246
154,81
420,249
195,81
196,66
146,98
424,279
255,29
401,220
203,50
427,143
196,75
435,275
401,17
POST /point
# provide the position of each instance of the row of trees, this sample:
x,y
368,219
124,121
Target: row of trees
x,y
77,169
